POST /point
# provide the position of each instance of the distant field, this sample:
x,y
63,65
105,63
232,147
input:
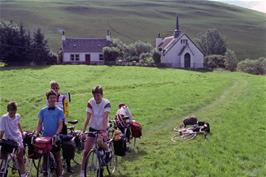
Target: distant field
x,y
233,104
245,30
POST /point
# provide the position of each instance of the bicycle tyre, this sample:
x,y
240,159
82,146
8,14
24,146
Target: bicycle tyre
x,y
4,167
112,165
92,165
40,165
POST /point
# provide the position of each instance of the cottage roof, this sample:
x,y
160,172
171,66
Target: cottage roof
x,y
84,44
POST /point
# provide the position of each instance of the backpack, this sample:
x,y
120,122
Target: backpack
x,y
136,129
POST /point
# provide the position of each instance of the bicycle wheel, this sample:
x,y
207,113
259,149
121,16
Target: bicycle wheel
x,y
43,167
3,167
112,165
92,165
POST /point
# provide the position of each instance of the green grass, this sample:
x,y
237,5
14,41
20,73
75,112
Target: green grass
x,y
141,20
233,103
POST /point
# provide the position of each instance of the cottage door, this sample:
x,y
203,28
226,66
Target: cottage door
x,y
187,60
87,58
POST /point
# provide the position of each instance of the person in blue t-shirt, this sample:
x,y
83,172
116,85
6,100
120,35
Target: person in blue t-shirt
x,y
50,124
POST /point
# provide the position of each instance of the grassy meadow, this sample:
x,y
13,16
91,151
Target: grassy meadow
x,y
233,103
140,20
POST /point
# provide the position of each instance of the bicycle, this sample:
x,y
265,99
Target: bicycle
x,y
183,134
8,157
46,163
97,159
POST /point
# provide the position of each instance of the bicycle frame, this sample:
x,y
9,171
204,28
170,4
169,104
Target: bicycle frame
x,y
5,163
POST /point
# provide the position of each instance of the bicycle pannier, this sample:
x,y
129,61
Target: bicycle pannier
x,y
136,130
43,144
7,146
120,147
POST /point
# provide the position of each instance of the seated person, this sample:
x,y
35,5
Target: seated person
x,y
10,129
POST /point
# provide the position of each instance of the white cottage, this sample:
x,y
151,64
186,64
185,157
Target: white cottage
x,y
179,50
84,50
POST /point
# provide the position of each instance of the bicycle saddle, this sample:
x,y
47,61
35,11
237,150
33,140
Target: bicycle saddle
x,y
73,122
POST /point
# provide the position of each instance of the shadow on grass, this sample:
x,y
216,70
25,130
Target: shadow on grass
x,y
7,68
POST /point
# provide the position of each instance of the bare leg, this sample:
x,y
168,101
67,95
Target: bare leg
x,y
21,161
87,147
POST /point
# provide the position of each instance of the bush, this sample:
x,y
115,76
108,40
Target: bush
x,y
253,66
110,54
214,61
156,57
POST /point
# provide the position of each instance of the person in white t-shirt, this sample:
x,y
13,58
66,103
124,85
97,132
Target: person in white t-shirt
x,y
98,109
10,129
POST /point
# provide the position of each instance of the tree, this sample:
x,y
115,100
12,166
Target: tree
x,y
40,50
212,43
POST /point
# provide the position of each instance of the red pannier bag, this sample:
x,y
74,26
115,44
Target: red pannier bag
x,y
136,129
43,144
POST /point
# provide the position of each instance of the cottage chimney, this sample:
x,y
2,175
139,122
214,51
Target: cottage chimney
x,y
108,36
177,31
63,36
159,40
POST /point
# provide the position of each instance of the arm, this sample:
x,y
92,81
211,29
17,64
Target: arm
x,y
59,129
20,129
105,120
39,127
87,120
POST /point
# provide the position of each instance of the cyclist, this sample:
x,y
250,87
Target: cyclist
x,y
50,124
123,119
61,102
98,109
10,129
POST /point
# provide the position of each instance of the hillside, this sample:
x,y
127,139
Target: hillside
x,y
245,30
233,104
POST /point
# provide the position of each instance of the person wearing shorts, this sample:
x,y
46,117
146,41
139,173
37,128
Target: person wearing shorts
x,y
98,109
10,129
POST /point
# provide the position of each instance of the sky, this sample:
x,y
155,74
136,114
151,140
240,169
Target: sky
x,y
258,5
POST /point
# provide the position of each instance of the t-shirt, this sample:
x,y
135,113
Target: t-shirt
x,y
124,110
97,111
50,120
10,128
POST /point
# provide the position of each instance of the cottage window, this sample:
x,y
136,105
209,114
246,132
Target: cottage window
x,y
72,57
100,56
183,41
77,57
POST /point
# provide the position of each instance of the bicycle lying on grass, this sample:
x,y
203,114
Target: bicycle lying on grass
x,y
191,132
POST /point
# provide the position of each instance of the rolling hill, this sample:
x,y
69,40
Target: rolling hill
x,y
233,103
244,30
